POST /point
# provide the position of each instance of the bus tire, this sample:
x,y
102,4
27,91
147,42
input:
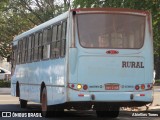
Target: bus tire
x,y
111,112
17,90
44,107
23,103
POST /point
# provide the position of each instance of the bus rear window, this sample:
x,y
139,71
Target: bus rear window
x,y
120,31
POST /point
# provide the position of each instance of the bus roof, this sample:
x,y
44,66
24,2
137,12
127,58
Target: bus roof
x,y
117,10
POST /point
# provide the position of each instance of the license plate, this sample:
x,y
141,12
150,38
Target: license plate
x,y
112,87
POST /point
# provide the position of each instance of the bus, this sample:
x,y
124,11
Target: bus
x,y
90,58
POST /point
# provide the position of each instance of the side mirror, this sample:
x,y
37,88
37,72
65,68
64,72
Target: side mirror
x,y
9,58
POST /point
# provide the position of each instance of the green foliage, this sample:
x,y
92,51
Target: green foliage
x,y
17,16
4,84
157,81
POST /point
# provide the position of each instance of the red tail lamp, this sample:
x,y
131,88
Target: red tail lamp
x,y
142,86
137,87
85,87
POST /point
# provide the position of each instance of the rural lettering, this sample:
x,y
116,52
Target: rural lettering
x,y
127,64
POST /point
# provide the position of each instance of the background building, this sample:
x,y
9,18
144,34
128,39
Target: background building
x,y
4,64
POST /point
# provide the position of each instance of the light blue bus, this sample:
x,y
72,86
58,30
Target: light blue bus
x,y
100,59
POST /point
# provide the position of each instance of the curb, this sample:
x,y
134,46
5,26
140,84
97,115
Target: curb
x,y
157,108
4,91
150,108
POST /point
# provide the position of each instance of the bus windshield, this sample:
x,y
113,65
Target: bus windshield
x,y
118,31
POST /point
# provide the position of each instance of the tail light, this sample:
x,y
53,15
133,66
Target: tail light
x,y
72,85
85,87
137,87
77,86
142,86
147,86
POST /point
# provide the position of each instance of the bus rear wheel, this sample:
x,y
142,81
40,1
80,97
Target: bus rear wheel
x,y
44,107
111,112
23,103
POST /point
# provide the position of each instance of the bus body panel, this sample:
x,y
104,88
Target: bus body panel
x,y
92,67
30,77
96,71
95,68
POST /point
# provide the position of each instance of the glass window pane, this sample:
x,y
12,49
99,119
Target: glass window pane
x,y
36,39
53,49
49,35
64,27
57,49
59,32
113,31
45,36
40,39
46,51
54,33
63,47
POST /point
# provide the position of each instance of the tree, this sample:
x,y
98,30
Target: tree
x,y
17,16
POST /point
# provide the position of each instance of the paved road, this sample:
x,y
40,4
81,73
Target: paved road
x,y
156,101
9,103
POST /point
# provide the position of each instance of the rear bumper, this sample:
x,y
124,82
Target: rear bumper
x,y
122,98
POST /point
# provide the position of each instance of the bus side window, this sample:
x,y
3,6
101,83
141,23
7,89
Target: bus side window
x,y
53,42
24,43
29,48
49,38
13,58
36,47
32,48
63,39
26,50
58,41
46,43
22,51
18,53
19,60
40,52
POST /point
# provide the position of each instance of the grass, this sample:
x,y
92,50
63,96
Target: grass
x,y
157,81
4,84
